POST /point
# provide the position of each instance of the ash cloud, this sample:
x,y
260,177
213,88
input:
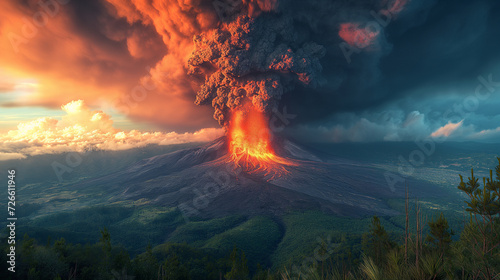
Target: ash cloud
x,y
255,58
278,55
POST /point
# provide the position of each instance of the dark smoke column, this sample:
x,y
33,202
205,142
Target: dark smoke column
x,y
254,57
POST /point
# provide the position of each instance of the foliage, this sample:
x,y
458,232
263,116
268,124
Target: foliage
x,y
239,267
257,237
370,269
476,255
377,242
482,235
440,234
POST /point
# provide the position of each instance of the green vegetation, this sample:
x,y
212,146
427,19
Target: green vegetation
x,y
125,224
257,237
304,228
197,233
377,242
475,255
303,245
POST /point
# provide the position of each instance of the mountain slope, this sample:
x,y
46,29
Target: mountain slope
x,y
202,182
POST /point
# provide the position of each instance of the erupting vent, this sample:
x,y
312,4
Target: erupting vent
x,y
250,143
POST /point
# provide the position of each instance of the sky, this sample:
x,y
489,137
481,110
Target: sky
x,y
351,71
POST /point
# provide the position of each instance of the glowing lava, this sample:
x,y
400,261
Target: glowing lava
x,y
250,143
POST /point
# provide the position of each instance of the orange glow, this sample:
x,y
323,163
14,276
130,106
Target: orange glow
x,y
356,36
250,143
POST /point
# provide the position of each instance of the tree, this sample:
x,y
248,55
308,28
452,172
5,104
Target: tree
x,y
440,234
482,235
146,265
61,248
239,267
173,270
105,241
377,242
27,254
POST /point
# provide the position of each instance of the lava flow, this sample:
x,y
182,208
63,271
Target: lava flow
x,y
250,143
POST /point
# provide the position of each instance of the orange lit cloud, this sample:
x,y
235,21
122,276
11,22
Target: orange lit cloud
x,y
9,156
356,36
447,130
362,35
131,57
82,129
177,22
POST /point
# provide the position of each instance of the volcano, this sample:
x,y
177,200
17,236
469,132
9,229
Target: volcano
x,y
204,182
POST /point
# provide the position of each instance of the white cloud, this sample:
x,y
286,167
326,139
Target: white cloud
x,y
383,126
487,134
82,129
392,125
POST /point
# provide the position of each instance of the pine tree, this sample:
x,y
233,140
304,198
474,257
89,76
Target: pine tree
x,y
377,242
174,270
482,235
239,267
105,241
146,265
440,234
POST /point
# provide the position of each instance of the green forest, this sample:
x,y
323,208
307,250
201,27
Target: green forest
x,y
424,249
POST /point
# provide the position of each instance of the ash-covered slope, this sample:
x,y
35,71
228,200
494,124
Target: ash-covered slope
x,y
200,181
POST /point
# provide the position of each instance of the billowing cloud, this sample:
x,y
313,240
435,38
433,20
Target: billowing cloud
x,y
133,55
255,60
447,130
86,50
82,129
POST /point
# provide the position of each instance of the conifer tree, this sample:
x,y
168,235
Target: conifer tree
x,y
377,242
482,235
239,267
440,234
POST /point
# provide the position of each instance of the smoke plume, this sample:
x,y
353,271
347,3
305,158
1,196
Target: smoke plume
x,y
256,57
226,53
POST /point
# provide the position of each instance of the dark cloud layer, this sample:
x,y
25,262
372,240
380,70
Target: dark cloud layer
x,y
430,58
